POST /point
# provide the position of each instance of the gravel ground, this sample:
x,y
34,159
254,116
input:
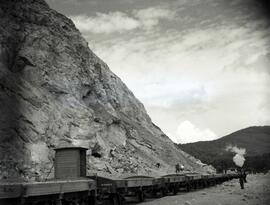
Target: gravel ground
x,y
256,192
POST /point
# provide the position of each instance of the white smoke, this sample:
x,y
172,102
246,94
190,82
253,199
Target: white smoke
x,y
239,158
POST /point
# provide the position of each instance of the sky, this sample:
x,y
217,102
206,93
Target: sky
x,y
200,67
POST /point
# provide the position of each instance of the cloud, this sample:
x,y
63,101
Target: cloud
x,y
120,21
171,93
105,23
204,68
198,75
151,16
188,132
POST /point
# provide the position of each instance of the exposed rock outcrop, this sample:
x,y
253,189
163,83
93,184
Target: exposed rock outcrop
x,y
54,90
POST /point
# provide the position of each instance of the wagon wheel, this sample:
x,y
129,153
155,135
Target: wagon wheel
x,y
121,199
140,195
175,189
154,193
205,183
215,182
195,185
188,187
92,200
163,192
114,199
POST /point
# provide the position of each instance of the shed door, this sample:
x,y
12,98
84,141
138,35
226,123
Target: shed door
x,y
83,163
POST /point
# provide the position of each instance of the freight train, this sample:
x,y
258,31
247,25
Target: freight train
x,y
71,185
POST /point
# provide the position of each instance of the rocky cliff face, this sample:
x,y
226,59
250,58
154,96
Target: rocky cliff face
x,y
55,91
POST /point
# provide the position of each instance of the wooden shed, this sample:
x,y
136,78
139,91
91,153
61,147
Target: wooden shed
x,y
70,162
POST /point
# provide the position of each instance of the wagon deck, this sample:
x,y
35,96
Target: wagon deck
x,y
28,189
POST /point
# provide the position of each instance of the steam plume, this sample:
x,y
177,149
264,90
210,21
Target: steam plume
x,y
238,158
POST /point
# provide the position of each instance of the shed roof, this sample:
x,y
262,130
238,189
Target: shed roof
x,y
70,147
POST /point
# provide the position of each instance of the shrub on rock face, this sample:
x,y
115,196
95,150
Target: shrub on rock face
x,y
97,151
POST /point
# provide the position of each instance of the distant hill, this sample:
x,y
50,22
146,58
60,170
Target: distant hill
x,y
256,141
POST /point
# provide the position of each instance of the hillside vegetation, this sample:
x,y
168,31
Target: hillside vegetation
x,y
256,141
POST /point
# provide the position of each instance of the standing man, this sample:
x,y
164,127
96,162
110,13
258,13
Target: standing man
x,y
177,168
242,178
245,176
241,181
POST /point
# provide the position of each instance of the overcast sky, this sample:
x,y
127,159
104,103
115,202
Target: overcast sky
x,y
200,67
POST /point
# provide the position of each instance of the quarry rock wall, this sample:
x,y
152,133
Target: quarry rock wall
x,y
55,91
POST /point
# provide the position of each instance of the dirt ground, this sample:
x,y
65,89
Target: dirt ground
x,y
256,192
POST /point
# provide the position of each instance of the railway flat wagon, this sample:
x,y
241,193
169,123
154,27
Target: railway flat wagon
x,y
194,180
110,190
173,182
206,180
117,191
235,175
142,186
220,178
139,181
70,185
56,192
